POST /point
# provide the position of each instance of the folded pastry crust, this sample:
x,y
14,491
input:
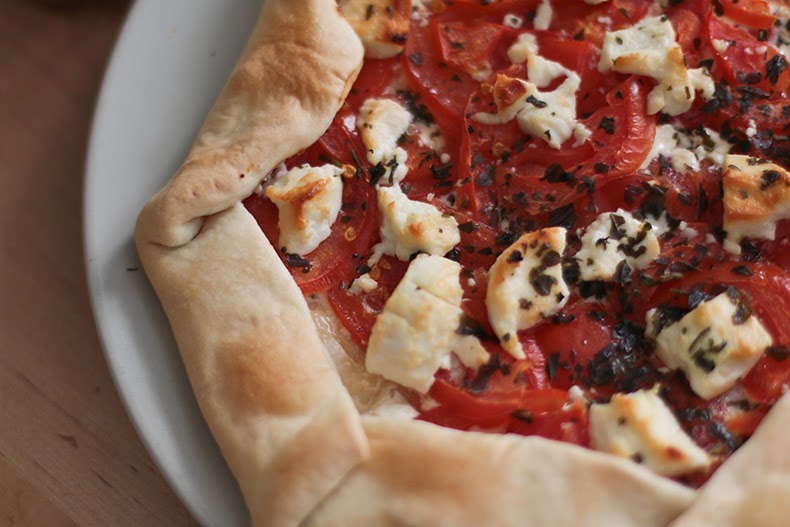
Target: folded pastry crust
x,y
269,390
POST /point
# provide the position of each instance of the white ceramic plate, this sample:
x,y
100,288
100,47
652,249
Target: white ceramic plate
x,y
168,65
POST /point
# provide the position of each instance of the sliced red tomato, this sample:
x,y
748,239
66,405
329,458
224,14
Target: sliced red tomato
x,y
745,60
769,380
590,22
547,413
470,47
443,89
356,228
373,78
750,13
533,178
688,28
357,312
582,57
571,340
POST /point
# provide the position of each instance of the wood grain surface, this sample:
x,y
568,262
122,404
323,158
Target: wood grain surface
x,y
68,453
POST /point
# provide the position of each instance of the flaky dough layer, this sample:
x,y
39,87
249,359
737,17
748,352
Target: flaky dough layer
x,y
269,390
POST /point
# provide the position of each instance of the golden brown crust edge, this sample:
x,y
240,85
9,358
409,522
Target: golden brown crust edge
x,y
270,395
419,474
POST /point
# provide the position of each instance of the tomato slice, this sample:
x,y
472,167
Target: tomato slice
x,y
745,60
688,28
356,228
445,90
470,47
751,13
547,413
373,78
533,179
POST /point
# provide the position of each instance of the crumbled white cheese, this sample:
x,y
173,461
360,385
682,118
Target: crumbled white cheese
x,y
756,196
525,45
549,115
375,26
381,123
308,200
751,130
540,71
649,48
612,238
409,227
363,284
419,326
420,9
525,285
429,136
687,148
720,45
543,15
512,21
715,344
640,426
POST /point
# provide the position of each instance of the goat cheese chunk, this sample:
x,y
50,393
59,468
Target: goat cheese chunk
x,y
616,237
686,149
549,115
379,27
641,427
649,48
756,196
363,284
409,227
715,344
308,200
381,123
543,15
525,285
414,335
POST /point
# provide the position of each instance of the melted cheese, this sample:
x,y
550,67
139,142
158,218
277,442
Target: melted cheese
x,y
525,285
715,344
686,149
409,227
308,200
640,426
381,123
756,196
382,33
649,48
418,328
613,238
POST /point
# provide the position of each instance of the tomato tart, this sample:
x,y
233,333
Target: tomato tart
x,y
480,262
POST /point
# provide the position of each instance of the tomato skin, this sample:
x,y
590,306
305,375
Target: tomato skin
x,y
752,13
373,78
571,341
622,136
746,60
470,47
547,413
688,27
445,90
332,260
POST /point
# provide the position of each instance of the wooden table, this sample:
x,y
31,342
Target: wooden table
x,y
68,452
